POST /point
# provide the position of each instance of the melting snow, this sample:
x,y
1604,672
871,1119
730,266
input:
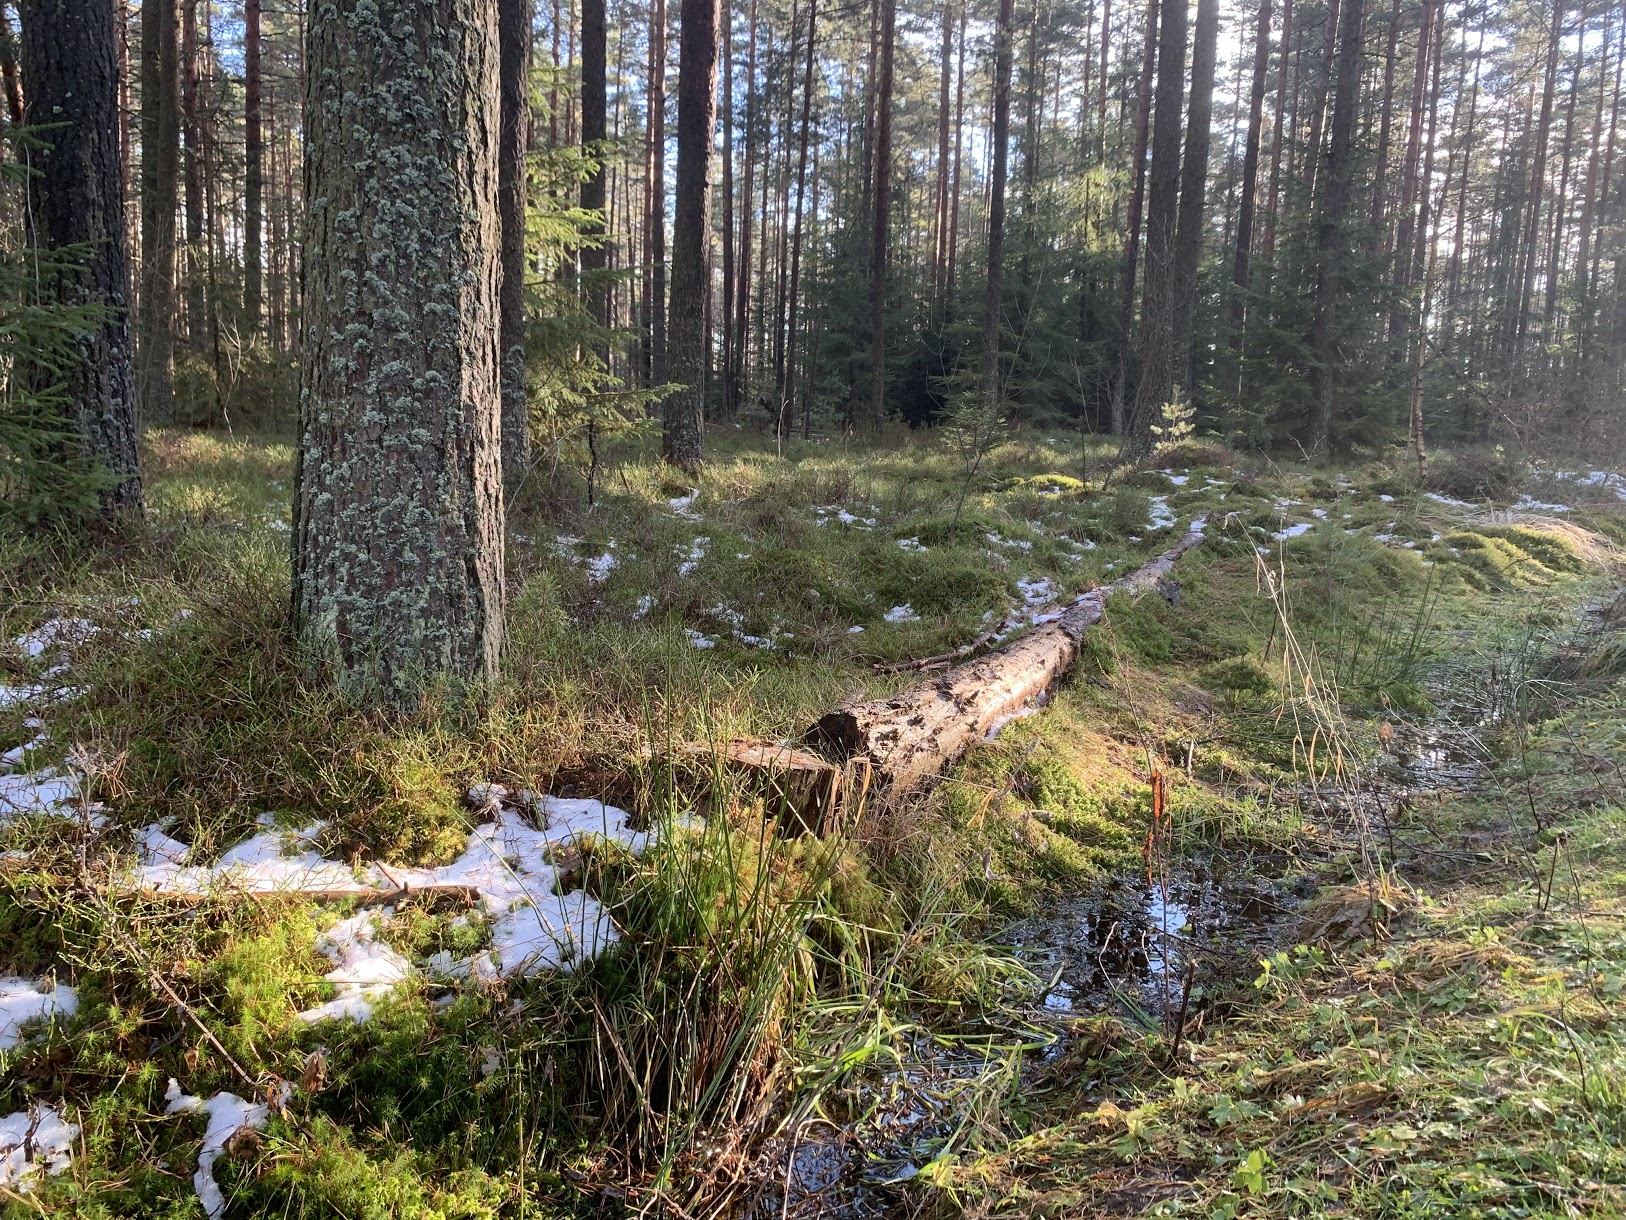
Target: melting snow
x,y
683,506
1605,480
693,556
600,568
910,544
646,603
22,1001
1293,531
902,614
1527,504
365,969
1162,515
31,1141
699,639
834,512
1447,500
228,1114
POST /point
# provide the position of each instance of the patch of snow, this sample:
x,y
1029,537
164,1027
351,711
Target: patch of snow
x,y
365,969
22,1001
1036,590
693,556
834,512
1524,504
1008,543
228,1114
698,639
855,631
274,859
1386,498
910,544
1604,480
902,614
14,696
599,569
34,1141
1446,500
683,506
1293,531
1162,515
646,603
1320,514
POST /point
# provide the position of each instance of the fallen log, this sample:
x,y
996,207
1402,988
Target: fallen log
x,y
911,736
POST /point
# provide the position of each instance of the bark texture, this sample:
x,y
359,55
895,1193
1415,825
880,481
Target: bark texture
x,y
913,735
683,413
76,197
398,559
160,186
253,173
514,36
993,291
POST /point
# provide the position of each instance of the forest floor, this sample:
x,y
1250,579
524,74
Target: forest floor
x,y
1368,961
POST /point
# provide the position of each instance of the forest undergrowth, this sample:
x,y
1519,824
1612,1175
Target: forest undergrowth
x,y
744,982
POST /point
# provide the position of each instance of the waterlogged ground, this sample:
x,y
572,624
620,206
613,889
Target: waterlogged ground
x,y
262,953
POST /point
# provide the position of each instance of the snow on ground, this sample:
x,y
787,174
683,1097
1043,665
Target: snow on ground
x,y
22,1001
827,513
1162,515
1600,480
902,614
698,639
1293,531
683,506
365,969
692,557
1446,500
32,1141
910,544
599,568
1529,504
228,1114
276,859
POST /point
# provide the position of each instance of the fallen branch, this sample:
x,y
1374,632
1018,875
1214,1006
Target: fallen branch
x,y
913,735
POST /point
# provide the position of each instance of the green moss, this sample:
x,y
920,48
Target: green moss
x,y
1239,676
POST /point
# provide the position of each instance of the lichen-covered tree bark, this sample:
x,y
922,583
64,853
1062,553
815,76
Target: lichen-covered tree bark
x,y
691,221
398,562
76,198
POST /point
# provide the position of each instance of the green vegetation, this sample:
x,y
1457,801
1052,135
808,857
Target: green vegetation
x,y
1456,994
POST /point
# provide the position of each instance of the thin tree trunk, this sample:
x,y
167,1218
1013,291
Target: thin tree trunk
x,y
1157,313
953,252
192,160
742,288
1137,199
160,183
1333,212
787,401
514,49
658,313
1241,271
253,174
1385,122
730,377
1193,193
883,199
8,70
76,198
1538,183
1278,134
1405,228
684,409
398,525
992,301
940,199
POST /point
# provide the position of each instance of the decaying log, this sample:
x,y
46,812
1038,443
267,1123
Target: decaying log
x,y
810,794
911,736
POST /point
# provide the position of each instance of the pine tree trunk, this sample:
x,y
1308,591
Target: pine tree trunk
x,y
1406,226
1278,135
992,301
253,174
787,401
742,287
684,410
514,53
657,193
1385,122
595,130
76,198
940,198
1330,239
953,251
1538,182
878,262
730,371
1193,193
1241,268
8,70
1137,203
192,162
160,186
1162,211
398,529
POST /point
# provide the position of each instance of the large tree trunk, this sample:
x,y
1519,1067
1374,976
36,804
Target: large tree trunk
x,y
657,193
253,173
683,418
192,164
1157,312
1330,241
992,301
1188,241
878,261
76,198
787,400
398,530
742,288
913,735
160,180
514,52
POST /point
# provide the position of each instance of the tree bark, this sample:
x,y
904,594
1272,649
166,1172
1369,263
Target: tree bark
x,y
160,178
398,526
514,54
1157,311
1137,202
8,70
657,193
787,401
253,173
192,163
742,287
684,413
1188,241
1241,268
1330,240
76,198
992,301
910,737
882,190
